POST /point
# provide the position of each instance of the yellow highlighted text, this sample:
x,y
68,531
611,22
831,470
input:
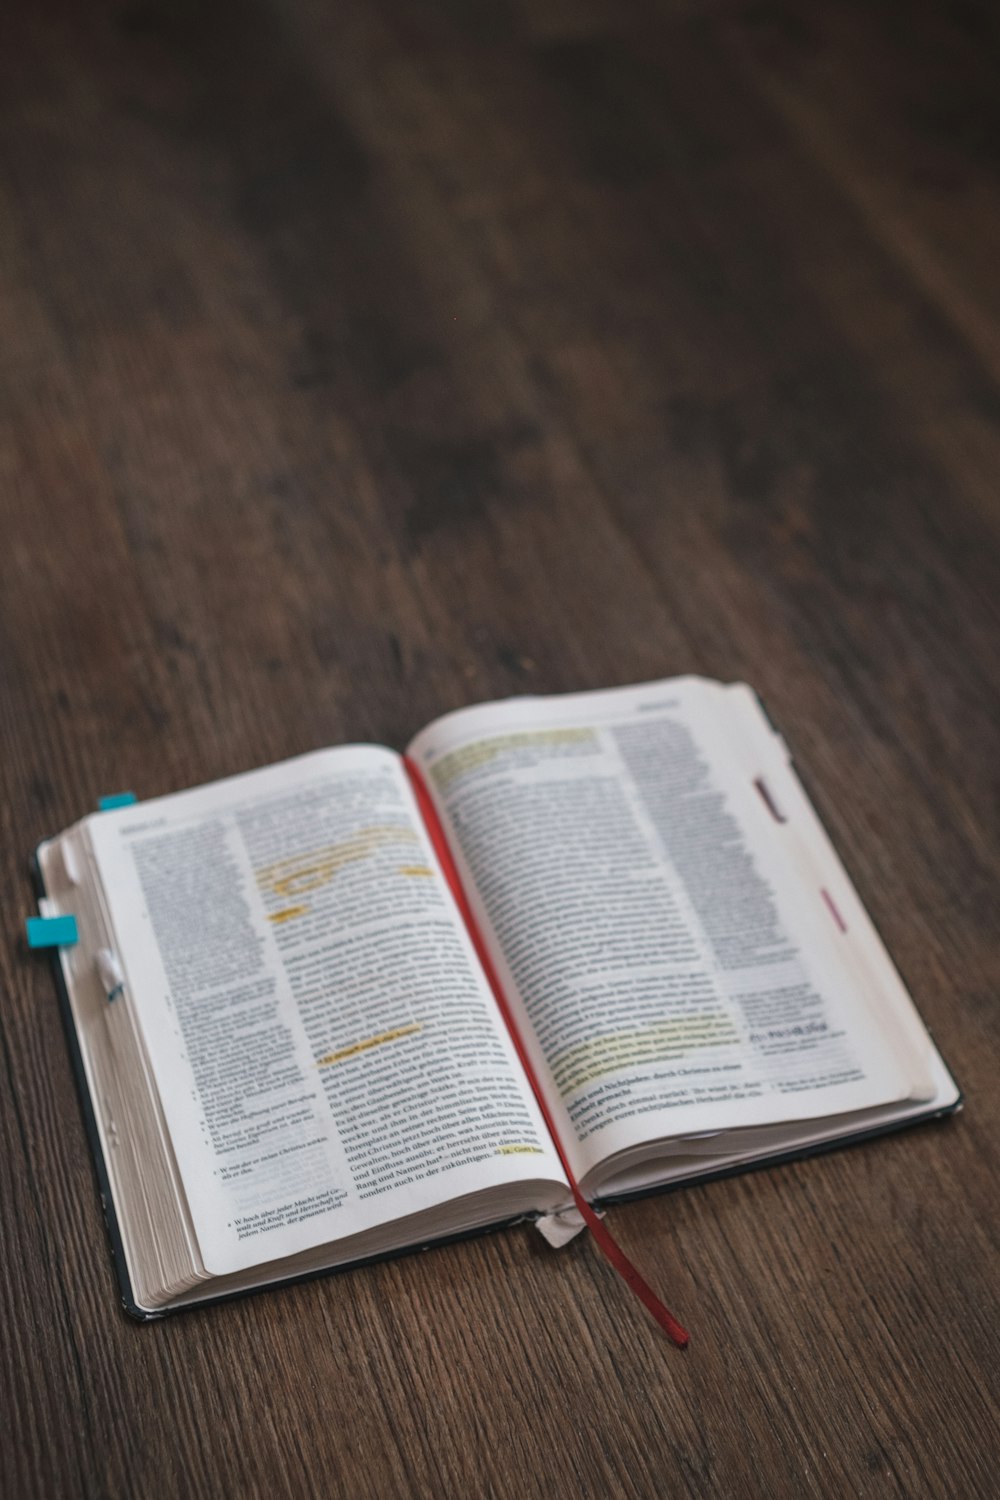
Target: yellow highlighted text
x,y
471,757
597,1056
372,1041
288,913
305,872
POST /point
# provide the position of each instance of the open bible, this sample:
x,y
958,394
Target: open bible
x,y
356,1003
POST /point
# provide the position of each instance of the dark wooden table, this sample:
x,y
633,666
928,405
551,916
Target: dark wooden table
x,y
364,358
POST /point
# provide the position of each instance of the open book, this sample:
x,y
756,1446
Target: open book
x,y
284,997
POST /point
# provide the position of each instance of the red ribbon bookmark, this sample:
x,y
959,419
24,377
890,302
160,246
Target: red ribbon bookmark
x,y
674,1330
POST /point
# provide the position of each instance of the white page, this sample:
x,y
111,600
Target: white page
x,y
325,1046
672,970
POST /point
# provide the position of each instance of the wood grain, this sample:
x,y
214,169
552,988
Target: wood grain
x,y
364,360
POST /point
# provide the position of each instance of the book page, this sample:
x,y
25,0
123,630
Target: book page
x,y
326,1050
672,960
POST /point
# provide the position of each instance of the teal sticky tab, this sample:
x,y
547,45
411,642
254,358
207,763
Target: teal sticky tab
x,y
116,799
52,932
